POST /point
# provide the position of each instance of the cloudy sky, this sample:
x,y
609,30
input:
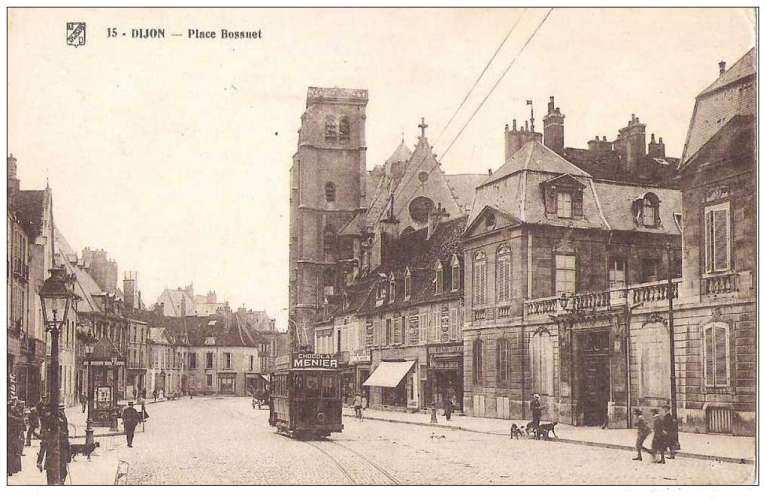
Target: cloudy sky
x,y
173,154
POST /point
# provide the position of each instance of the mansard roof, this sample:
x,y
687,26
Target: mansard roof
x,y
534,156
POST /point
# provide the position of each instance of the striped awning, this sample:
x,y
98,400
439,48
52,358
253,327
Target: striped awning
x,y
389,373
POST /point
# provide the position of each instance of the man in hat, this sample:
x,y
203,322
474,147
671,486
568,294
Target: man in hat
x,y
643,430
537,410
658,441
130,419
670,425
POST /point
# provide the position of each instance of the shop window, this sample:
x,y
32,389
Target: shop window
x,y
716,354
209,379
717,238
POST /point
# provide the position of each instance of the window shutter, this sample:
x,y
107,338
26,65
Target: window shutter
x,y
720,356
709,357
721,249
709,242
577,203
550,201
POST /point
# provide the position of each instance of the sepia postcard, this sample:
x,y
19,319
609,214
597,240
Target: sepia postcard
x,y
381,246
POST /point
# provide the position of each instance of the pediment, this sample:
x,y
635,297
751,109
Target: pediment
x,y
489,219
564,181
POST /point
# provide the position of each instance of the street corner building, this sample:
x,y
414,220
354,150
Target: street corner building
x,y
571,273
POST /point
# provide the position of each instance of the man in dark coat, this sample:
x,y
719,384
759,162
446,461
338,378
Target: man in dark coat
x,y
670,425
643,429
130,419
34,423
537,410
15,429
52,438
659,439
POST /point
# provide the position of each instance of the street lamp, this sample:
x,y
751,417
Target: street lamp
x,y
56,300
670,291
90,345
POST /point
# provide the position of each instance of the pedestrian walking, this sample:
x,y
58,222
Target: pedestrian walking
x,y
154,393
448,408
643,429
83,401
55,437
670,425
34,423
537,410
15,429
130,419
142,403
658,441
358,406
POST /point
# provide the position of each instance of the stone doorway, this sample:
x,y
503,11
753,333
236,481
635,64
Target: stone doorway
x,y
595,377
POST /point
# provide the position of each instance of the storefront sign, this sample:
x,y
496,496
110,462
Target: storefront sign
x,y
312,360
446,349
451,363
357,358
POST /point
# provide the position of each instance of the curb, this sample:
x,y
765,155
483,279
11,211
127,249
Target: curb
x,y
696,456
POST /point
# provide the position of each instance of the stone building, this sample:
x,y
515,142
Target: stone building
x,y
101,268
714,324
561,246
183,302
328,186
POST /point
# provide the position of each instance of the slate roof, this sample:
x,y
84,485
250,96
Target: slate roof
x,y
463,187
610,165
534,156
420,255
617,199
716,105
30,205
194,331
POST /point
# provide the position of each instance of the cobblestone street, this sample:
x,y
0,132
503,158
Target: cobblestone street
x,y
225,441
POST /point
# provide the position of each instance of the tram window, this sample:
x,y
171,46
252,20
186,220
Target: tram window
x,y
329,386
312,386
298,383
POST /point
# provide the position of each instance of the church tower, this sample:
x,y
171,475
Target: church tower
x,y
327,189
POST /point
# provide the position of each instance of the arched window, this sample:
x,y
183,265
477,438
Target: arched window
x,y
717,355
503,274
344,129
329,240
455,266
392,288
503,362
439,270
651,210
407,284
330,128
329,192
478,354
479,279
541,361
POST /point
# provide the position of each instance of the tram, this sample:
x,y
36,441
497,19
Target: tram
x,y
305,396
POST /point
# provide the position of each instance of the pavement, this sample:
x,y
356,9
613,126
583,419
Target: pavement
x,y
724,448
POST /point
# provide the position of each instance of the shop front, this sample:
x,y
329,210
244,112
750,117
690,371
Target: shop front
x,y
446,374
256,383
227,383
392,383
359,364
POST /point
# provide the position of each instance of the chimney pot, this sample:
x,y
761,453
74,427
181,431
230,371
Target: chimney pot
x,y
604,139
490,171
660,140
551,106
722,67
514,124
652,139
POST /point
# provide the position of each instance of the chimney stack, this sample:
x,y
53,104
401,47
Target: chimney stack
x,y
13,181
516,138
633,143
553,127
721,68
130,289
656,149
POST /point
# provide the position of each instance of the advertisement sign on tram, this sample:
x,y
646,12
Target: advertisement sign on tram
x,y
313,360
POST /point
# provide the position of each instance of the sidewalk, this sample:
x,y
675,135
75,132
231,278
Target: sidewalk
x,y
78,420
100,470
700,446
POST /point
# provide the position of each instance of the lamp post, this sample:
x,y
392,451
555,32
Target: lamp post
x,y
114,392
673,401
56,299
90,345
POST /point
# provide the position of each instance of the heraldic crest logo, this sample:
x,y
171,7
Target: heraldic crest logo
x,y
75,34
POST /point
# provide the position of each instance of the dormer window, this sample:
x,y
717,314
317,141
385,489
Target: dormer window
x,y
646,210
380,295
407,284
439,270
564,204
455,265
563,197
392,289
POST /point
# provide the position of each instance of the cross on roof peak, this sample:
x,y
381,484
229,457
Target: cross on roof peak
x,y
423,126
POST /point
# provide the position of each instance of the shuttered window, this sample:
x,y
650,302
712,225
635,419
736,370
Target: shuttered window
x,y
478,355
717,355
480,279
503,363
565,274
503,274
717,238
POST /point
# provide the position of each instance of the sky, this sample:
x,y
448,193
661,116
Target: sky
x,y
174,154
